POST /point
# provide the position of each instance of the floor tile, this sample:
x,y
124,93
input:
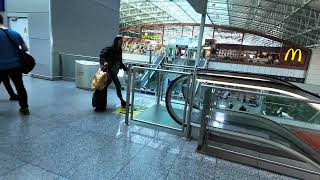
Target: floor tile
x,y
194,166
155,157
265,175
179,176
70,154
223,175
235,169
148,164
29,172
170,144
138,170
106,162
8,163
61,178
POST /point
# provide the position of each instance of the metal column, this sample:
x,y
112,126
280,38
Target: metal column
x,y
194,79
129,87
203,21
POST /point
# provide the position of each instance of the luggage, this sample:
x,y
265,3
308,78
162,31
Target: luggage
x,y
99,99
99,81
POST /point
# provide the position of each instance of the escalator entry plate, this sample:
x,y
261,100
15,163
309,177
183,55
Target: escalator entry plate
x,y
136,111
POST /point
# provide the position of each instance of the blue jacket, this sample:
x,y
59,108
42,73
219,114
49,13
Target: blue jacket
x,y
9,54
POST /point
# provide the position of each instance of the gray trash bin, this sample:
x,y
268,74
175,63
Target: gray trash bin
x,y
84,73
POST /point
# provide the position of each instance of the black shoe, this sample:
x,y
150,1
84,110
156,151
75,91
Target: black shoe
x,y
123,104
14,97
24,111
100,109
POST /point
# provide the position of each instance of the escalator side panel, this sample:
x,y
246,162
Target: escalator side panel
x,y
311,138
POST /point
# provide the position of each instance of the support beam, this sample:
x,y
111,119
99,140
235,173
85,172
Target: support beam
x,y
290,15
203,22
228,7
200,6
307,31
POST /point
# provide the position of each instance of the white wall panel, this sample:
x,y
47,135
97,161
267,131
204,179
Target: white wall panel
x,y
84,27
27,6
313,73
39,25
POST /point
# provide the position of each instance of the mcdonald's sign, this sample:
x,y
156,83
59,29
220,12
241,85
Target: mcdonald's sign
x,y
293,54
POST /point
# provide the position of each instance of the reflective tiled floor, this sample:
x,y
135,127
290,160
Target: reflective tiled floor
x,y
64,139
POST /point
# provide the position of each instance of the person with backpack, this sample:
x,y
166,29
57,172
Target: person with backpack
x,y
11,63
111,62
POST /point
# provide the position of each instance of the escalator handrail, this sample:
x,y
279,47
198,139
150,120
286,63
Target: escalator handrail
x,y
259,93
171,86
266,77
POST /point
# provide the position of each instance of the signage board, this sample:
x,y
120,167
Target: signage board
x,y
151,36
294,53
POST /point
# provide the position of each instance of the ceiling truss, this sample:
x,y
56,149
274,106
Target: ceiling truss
x,y
293,20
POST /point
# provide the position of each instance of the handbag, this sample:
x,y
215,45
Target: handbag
x,y
27,61
99,81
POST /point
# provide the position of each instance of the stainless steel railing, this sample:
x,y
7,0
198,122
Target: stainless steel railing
x,y
131,92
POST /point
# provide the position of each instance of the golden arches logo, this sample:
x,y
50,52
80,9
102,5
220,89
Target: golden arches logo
x,y
294,53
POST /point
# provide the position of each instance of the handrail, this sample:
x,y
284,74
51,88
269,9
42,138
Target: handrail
x,y
138,63
258,78
177,65
186,68
161,70
259,93
266,77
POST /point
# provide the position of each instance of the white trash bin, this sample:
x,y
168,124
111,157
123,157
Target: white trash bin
x,y
84,73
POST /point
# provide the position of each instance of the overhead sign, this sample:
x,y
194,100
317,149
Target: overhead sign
x,y
293,54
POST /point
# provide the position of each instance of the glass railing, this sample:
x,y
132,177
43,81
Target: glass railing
x,y
279,105
153,110
281,128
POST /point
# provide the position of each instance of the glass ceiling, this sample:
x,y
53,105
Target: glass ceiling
x,y
294,20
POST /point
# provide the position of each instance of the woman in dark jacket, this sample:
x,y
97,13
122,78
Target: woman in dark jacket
x,y
111,61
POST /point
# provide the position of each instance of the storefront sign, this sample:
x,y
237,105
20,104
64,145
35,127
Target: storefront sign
x,y
151,36
293,54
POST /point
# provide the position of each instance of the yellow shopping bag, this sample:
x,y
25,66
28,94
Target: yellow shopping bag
x,y
99,81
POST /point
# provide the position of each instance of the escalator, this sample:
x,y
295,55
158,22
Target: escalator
x,y
222,78
265,137
148,74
